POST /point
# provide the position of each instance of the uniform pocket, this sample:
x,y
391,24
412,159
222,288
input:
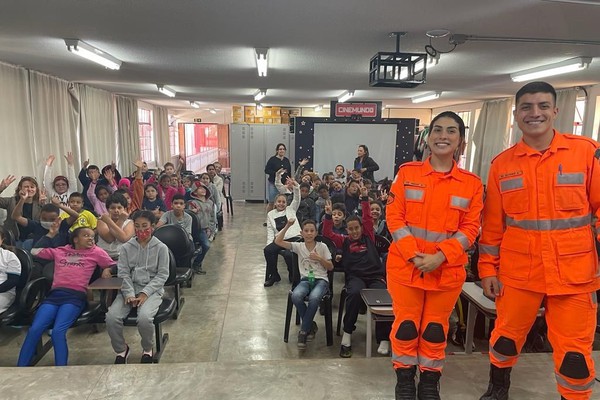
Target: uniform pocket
x,y
515,197
515,255
457,208
415,199
577,259
570,191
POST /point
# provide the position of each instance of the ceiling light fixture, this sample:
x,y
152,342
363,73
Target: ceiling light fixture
x,y
212,111
563,67
91,53
347,95
194,104
318,108
260,94
167,91
262,61
396,69
259,106
426,97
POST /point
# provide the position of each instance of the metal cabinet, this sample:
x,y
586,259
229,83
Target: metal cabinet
x,y
250,148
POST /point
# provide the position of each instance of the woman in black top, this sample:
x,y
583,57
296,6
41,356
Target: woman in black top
x,y
365,164
274,164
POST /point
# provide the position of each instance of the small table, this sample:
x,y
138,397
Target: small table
x,y
477,303
377,313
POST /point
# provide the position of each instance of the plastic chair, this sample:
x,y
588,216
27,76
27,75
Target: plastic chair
x,y
325,304
13,312
177,240
227,193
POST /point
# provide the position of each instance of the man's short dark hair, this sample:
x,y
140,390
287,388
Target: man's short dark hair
x,y
536,87
178,197
305,185
50,208
76,195
116,198
210,165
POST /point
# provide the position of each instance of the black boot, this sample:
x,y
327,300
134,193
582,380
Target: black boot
x,y
429,385
405,385
499,384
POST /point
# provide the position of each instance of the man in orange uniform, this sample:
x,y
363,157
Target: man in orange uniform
x,y
537,245
433,213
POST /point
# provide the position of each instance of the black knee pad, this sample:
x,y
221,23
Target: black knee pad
x,y
407,331
506,346
434,333
574,366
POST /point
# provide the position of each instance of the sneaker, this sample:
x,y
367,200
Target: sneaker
x,y
119,359
313,330
346,351
198,269
384,347
147,359
271,281
302,340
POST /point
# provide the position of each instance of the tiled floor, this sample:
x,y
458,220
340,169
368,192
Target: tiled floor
x,y
228,344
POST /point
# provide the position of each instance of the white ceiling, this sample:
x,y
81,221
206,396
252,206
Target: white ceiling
x,y
318,48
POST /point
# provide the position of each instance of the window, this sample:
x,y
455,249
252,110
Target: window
x,y
146,136
173,136
579,115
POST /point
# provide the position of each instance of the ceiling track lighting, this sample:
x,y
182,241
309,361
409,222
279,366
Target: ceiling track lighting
x,y
319,107
92,53
194,104
426,97
347,95
260,94
167,91
563,67
262,61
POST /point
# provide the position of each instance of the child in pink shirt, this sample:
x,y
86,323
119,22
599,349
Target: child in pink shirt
x,y
73,267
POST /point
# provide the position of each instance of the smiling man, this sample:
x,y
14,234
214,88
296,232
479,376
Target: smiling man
x,y
537,246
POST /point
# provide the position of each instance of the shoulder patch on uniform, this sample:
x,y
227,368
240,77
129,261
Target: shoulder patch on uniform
x,y
390,199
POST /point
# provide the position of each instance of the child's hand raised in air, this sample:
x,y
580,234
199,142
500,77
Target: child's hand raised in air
x,y
69,158
291,221
50,160
55,200
328,207
138,163
364,192
43,196
7,181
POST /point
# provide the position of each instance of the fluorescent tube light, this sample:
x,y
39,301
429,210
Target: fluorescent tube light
x,y
212,111
347,95
194,104
589,2
563,67
318,108
167,91
91,53
426,97
260,94
261,61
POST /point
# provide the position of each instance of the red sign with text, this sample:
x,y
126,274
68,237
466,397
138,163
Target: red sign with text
x,y
350,109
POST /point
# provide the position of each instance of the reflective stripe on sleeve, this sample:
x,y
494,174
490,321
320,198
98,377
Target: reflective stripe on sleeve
x,y
401,233
550,224
575,178
462,202
578,388
511,184
414,194
462,239
488,249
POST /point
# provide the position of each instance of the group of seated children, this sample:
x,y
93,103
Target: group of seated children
x,y
354,238
110,223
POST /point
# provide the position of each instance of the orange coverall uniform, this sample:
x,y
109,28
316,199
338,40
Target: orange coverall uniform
x,y
427,212
537,239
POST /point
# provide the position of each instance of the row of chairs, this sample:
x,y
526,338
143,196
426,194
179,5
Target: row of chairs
x,y
31,292
326,305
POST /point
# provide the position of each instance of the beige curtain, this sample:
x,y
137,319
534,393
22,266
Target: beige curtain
x,y
491,134
160,127
565,101
98,134
17,151
55,118
127,132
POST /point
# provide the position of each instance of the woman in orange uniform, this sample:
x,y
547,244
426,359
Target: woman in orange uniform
x,y
433,213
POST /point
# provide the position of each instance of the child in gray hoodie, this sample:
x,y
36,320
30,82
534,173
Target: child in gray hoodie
x,y
144,266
